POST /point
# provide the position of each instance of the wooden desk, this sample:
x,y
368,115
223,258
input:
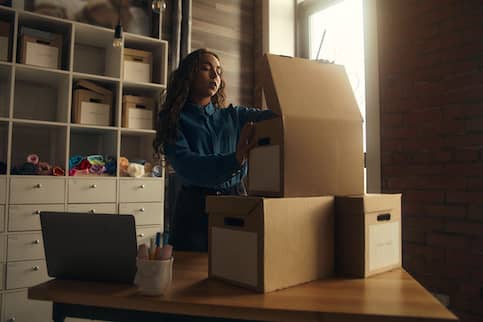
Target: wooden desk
x,y
392,296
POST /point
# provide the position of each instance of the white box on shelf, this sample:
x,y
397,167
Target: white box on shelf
x,y
137,65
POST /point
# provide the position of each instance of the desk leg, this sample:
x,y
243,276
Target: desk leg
x,y
58,312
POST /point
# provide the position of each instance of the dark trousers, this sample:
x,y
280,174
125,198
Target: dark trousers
x,y
189,229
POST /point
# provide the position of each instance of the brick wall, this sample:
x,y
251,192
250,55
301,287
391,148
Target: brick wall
x,y
431,83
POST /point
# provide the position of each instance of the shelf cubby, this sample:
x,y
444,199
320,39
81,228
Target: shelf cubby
x,y
159,51
94,53
47,24
6,40
137,145
5,89
85,141
47,141
41,94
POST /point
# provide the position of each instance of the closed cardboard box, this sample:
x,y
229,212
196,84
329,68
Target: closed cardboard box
x,y
41,48
315,147
137,65
92,104
267,244
137,112
368,234
5,43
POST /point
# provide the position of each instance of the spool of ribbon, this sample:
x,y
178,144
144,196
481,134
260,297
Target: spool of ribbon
x,y
97,169
74,161
33,158
135,170
157,171
58,171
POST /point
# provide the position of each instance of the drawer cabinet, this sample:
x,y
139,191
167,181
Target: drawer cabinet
x,y
143,235
19,308
144,213
100,208
25,247
92,190
26,274
26,217
141,190
37,190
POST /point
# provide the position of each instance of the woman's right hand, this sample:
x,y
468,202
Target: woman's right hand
x,y
246,142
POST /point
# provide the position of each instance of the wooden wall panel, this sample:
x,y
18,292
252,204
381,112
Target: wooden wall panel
x,y
226,27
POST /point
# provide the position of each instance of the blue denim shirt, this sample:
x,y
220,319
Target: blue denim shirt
x,y
204,154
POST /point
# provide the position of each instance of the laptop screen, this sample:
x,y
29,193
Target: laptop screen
x,y
89,247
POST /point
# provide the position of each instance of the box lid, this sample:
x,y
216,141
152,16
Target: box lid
x,y
148,101
301,87
92,86
374,202
232,205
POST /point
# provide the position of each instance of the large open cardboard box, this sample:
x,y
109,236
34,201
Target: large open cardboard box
x,y
368,234
267,244
315,147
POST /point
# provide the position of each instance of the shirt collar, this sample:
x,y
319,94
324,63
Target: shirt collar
x,y
208,109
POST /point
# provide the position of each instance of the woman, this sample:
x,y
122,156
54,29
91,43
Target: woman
x,y
205,142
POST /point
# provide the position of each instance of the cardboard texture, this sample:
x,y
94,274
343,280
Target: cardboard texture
x,y
92,104
368,234
41,52
319,133
137,112
137,65
267,244
5,40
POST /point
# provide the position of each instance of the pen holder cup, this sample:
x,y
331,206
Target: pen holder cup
x,y
153,277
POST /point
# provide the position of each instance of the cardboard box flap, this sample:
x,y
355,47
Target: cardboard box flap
x,y
92,86
376,202
232,205
305,88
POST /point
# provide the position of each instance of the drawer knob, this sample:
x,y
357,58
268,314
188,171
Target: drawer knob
x,y
92,211
36,212
142,186
141,210
12,319
38,185
141,235
93,186
36,241
36,268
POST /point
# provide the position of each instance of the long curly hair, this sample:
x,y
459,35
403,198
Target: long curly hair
x,y
177,93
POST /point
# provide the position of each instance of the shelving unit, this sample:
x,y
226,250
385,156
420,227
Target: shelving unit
x,y
36,105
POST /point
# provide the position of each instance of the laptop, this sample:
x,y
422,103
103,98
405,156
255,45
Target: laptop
x,y
88,247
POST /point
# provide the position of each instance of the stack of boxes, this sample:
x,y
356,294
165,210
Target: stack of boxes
x,y
306,216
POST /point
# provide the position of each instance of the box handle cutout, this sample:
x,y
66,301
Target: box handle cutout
x,y
95,100
140,106
138,59
384,217
264,141
234,222
43,42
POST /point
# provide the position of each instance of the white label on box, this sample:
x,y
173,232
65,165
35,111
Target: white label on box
x,y
140,119
136,72
94,113
264,168
41,55
3,48
234,255
384,245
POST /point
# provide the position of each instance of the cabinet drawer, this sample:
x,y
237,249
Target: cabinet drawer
x,y
3,248
25,247
143,235
19,308
92,190
37,190
144,213
99,208
2,275
26,217
2,217
139,190
3,189
26,274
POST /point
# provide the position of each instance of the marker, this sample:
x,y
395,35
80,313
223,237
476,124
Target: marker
x,y
165,238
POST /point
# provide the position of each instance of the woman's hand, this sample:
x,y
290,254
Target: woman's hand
x,y
246,142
